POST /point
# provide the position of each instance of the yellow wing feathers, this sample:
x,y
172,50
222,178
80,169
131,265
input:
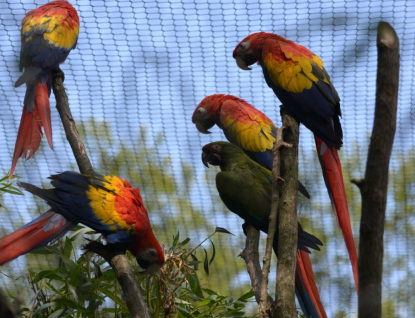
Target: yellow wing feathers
x,y
57,29
292,70
247,129
104,203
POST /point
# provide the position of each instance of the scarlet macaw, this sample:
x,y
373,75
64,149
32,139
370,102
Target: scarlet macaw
x,y
301,83
48,34
242,124
245,188
107,204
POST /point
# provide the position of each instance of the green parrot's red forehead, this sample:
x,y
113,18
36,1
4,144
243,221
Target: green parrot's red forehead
x,y
215,148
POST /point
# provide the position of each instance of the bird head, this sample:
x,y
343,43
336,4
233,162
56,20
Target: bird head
x,y
203,114
148,253
218,153
247,52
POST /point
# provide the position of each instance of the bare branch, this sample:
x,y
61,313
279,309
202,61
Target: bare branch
x,y
115,256
287,221
72,134
374,186
279,143
251,257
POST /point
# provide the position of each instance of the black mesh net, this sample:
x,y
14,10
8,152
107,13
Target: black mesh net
x,y
139,70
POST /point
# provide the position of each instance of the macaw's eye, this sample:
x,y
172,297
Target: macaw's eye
x,y
217,148
242,46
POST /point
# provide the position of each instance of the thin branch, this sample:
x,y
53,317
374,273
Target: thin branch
x,y
251,257
287,221
115,256
263,304
374,186
72,134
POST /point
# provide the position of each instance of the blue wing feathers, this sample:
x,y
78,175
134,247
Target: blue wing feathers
x,y
69,199
317,108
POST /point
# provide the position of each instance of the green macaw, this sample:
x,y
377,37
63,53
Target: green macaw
x,y
245,188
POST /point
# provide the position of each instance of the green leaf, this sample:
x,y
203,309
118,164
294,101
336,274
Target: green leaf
x,y
73,292
222,230
44,306
206,263
68,247
246,296
49,274
195,285
184,242
203,303
214,252
184,313
80,230
176,239
56,314
110,294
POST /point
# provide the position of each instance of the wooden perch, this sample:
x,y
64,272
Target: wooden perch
x,y
373,187
287,220
114,255
251,257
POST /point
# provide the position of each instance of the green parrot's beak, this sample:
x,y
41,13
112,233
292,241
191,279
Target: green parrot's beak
x,y
205,158
208,157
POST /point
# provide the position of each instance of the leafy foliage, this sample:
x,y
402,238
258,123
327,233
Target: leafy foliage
x,y
86,286
7,187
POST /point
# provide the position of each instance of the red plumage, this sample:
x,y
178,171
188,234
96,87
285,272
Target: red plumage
x,y
333,177
48,34
299,80
30,129
107,204
305,274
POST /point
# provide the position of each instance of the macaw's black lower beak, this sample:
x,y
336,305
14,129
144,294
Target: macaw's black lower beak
x,y
149,268
245,60
209,157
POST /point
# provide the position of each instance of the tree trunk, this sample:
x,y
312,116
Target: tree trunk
x,y
374,186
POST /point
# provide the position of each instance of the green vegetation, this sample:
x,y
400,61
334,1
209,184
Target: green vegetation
x,y
169,195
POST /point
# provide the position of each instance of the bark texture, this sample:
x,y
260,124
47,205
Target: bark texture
x,y
287,221
114,255
250,255
373,187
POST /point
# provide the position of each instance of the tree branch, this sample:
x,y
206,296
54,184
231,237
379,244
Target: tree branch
x,y
287,221
374,186
114,255
72,134
263,305
250,255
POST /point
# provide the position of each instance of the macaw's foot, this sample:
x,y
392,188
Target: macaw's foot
x,y
57,72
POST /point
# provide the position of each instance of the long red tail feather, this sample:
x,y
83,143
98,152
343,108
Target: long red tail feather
x,y
30,129
41,231
305,274
333,177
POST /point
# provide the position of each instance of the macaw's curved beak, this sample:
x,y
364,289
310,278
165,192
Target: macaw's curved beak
x,y
202,128
210,157
243,61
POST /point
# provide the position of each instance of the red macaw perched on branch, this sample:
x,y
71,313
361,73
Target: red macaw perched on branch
x,y
301,83
107,204
48,34
242,124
